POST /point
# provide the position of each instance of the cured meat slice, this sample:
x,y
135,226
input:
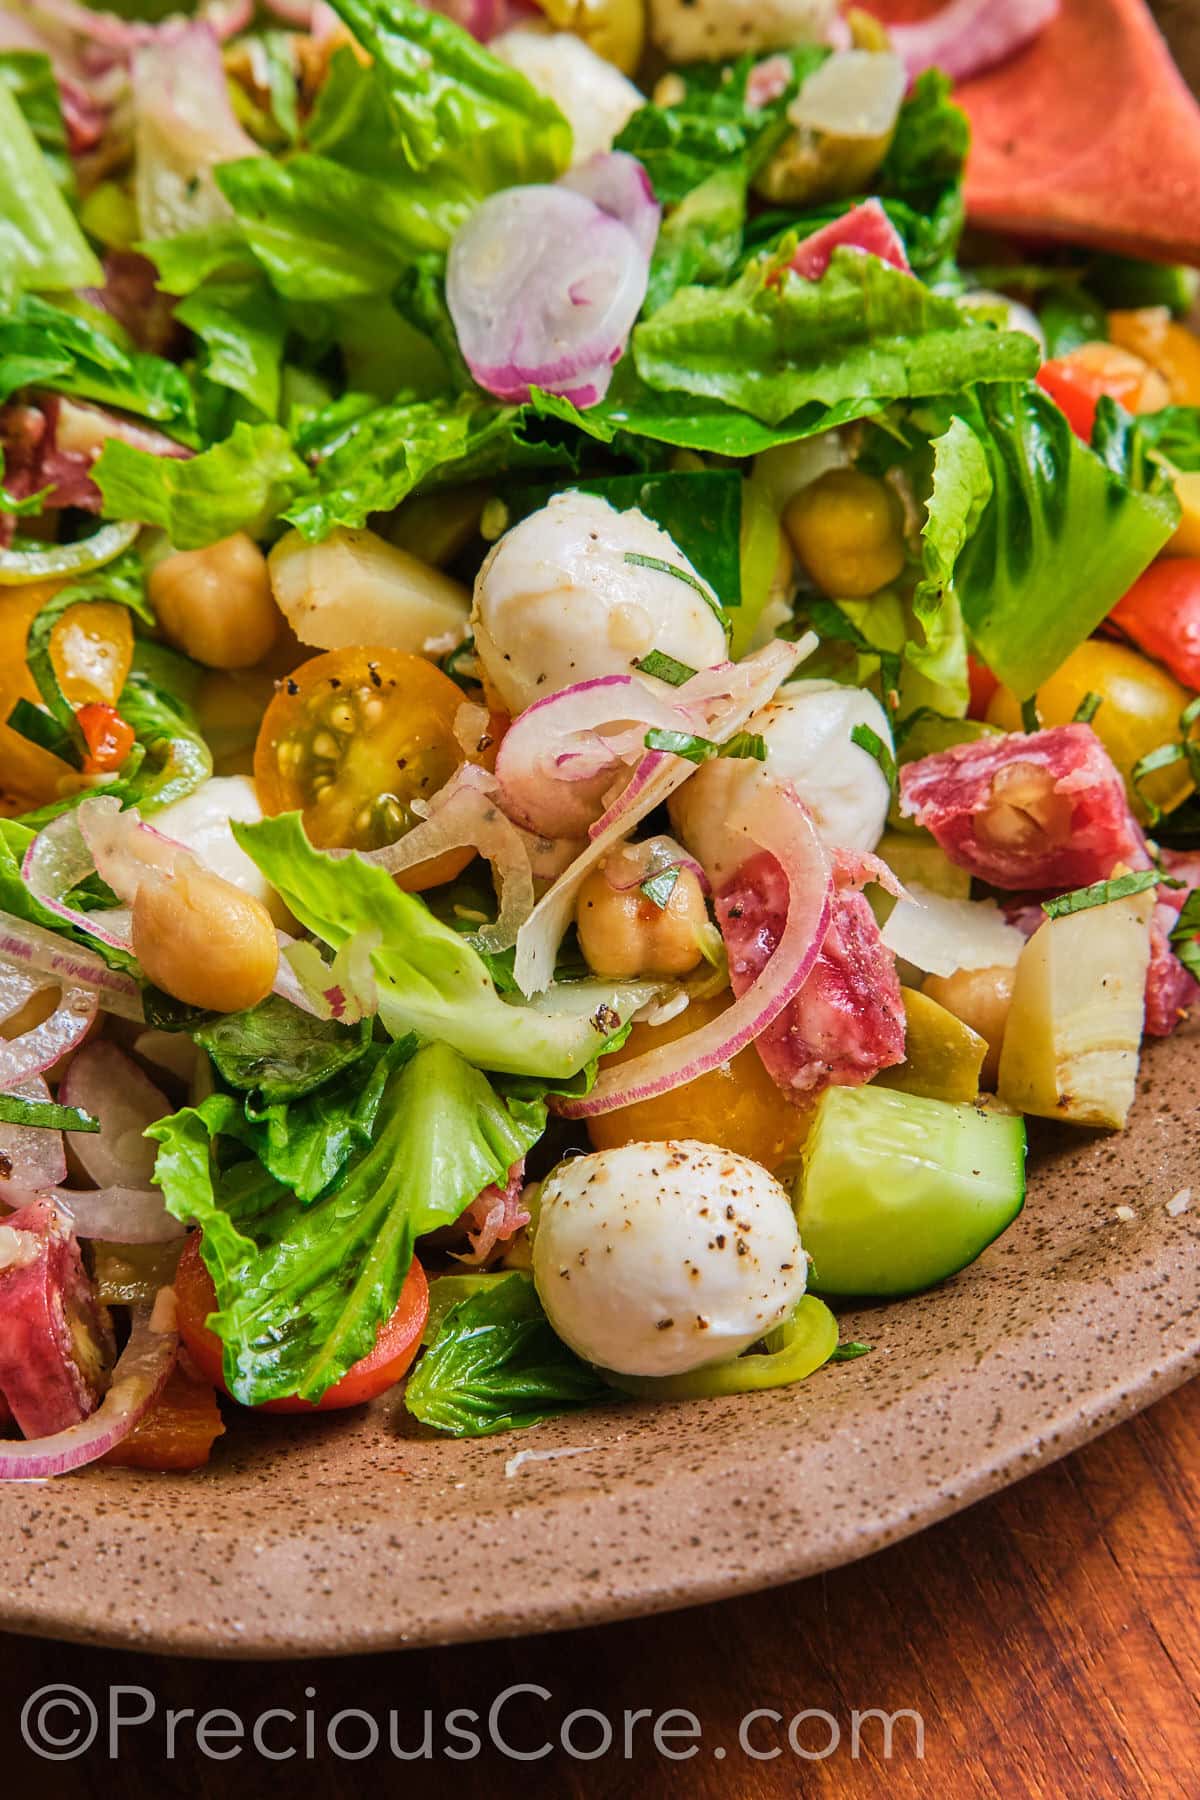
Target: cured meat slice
x,y
1043,811
56,1344
847,1021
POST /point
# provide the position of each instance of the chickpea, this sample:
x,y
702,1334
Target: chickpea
x,y
205,941
623,934
980,998
848,531
216,604
1024,811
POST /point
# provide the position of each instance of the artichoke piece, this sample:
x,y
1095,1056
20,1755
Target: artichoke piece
x,y
943,1057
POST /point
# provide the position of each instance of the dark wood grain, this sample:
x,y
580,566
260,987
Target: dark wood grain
x,y
1049,1638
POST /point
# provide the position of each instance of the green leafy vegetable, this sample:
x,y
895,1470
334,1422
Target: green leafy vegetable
x,y
302,1289
241,484
241,327
430,980
873,744
277,1052
773,342
1101,892
659,888
43,343
665,668
745,744
45,1115
1184,939
497,1365
29,77
961,489
700,241
851,1352
1087,709
41,246
662,567
306,1143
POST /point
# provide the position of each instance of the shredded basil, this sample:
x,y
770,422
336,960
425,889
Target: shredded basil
x,y
44,1115
1101,892
849,1352
664,668
829,621
1183,937
1030,720
685,575
1087,709
873,744
660,887
748,744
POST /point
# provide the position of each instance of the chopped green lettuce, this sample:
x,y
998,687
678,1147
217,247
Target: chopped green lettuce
x,y
430,979
29,77
773,342
276,1052
701,239
41,245
240,484
496,1364
304,1286
241,328
961,489
41,342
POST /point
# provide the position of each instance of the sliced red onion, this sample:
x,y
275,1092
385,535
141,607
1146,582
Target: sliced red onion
x,y
746,686
124,849
56,861
620,186
555,764
119,1215
17,989
775,819
544,287
288,985
632,864
105,1082
39,1049
968,36
138,1379
866,228
31,947
465,815
30,1156
185,126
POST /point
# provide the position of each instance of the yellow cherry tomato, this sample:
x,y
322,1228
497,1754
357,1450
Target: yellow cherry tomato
x,y
351,739
1139,709
614,29
1186,541
91,649
737,1106
1167,346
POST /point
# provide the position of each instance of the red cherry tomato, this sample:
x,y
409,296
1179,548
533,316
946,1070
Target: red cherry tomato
x,y
108,736
1079,381
1161,613
395,1347
983,685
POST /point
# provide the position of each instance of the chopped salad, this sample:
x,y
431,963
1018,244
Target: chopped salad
x,y
597,702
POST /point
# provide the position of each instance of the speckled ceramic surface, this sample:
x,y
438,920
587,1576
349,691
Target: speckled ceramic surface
x,y
359,1532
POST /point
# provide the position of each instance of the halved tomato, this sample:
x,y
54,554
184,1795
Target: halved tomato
x,y
352,738
395,1347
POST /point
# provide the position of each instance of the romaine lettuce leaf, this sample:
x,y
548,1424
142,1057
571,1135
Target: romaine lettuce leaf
x,y
430,980
65,350
496,1364
277,1053
302,1288
41,245
306,1143
961,489
29,77
1060,540
463,116
241,327
240,484
773,342
701,239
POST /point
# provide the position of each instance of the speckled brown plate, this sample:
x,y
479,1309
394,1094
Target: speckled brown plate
x,y
358,1533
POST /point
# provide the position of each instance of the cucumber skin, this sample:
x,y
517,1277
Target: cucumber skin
x,y
866,1236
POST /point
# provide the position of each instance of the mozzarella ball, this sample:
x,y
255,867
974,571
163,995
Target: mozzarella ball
x,y
596,100
200,821
708,30
558,601
658,1258
806,730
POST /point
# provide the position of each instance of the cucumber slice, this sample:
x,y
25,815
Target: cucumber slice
x,y
897,1191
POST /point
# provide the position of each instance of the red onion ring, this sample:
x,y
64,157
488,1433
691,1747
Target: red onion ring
x,y
138,1379
968,36
618,184
38,1050
105,1082
776,820
17,988
56,861
746,686
543,287
31,947
119,1215
554,763
32,1156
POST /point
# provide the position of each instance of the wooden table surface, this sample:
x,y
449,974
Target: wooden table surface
x,y
1049,1639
